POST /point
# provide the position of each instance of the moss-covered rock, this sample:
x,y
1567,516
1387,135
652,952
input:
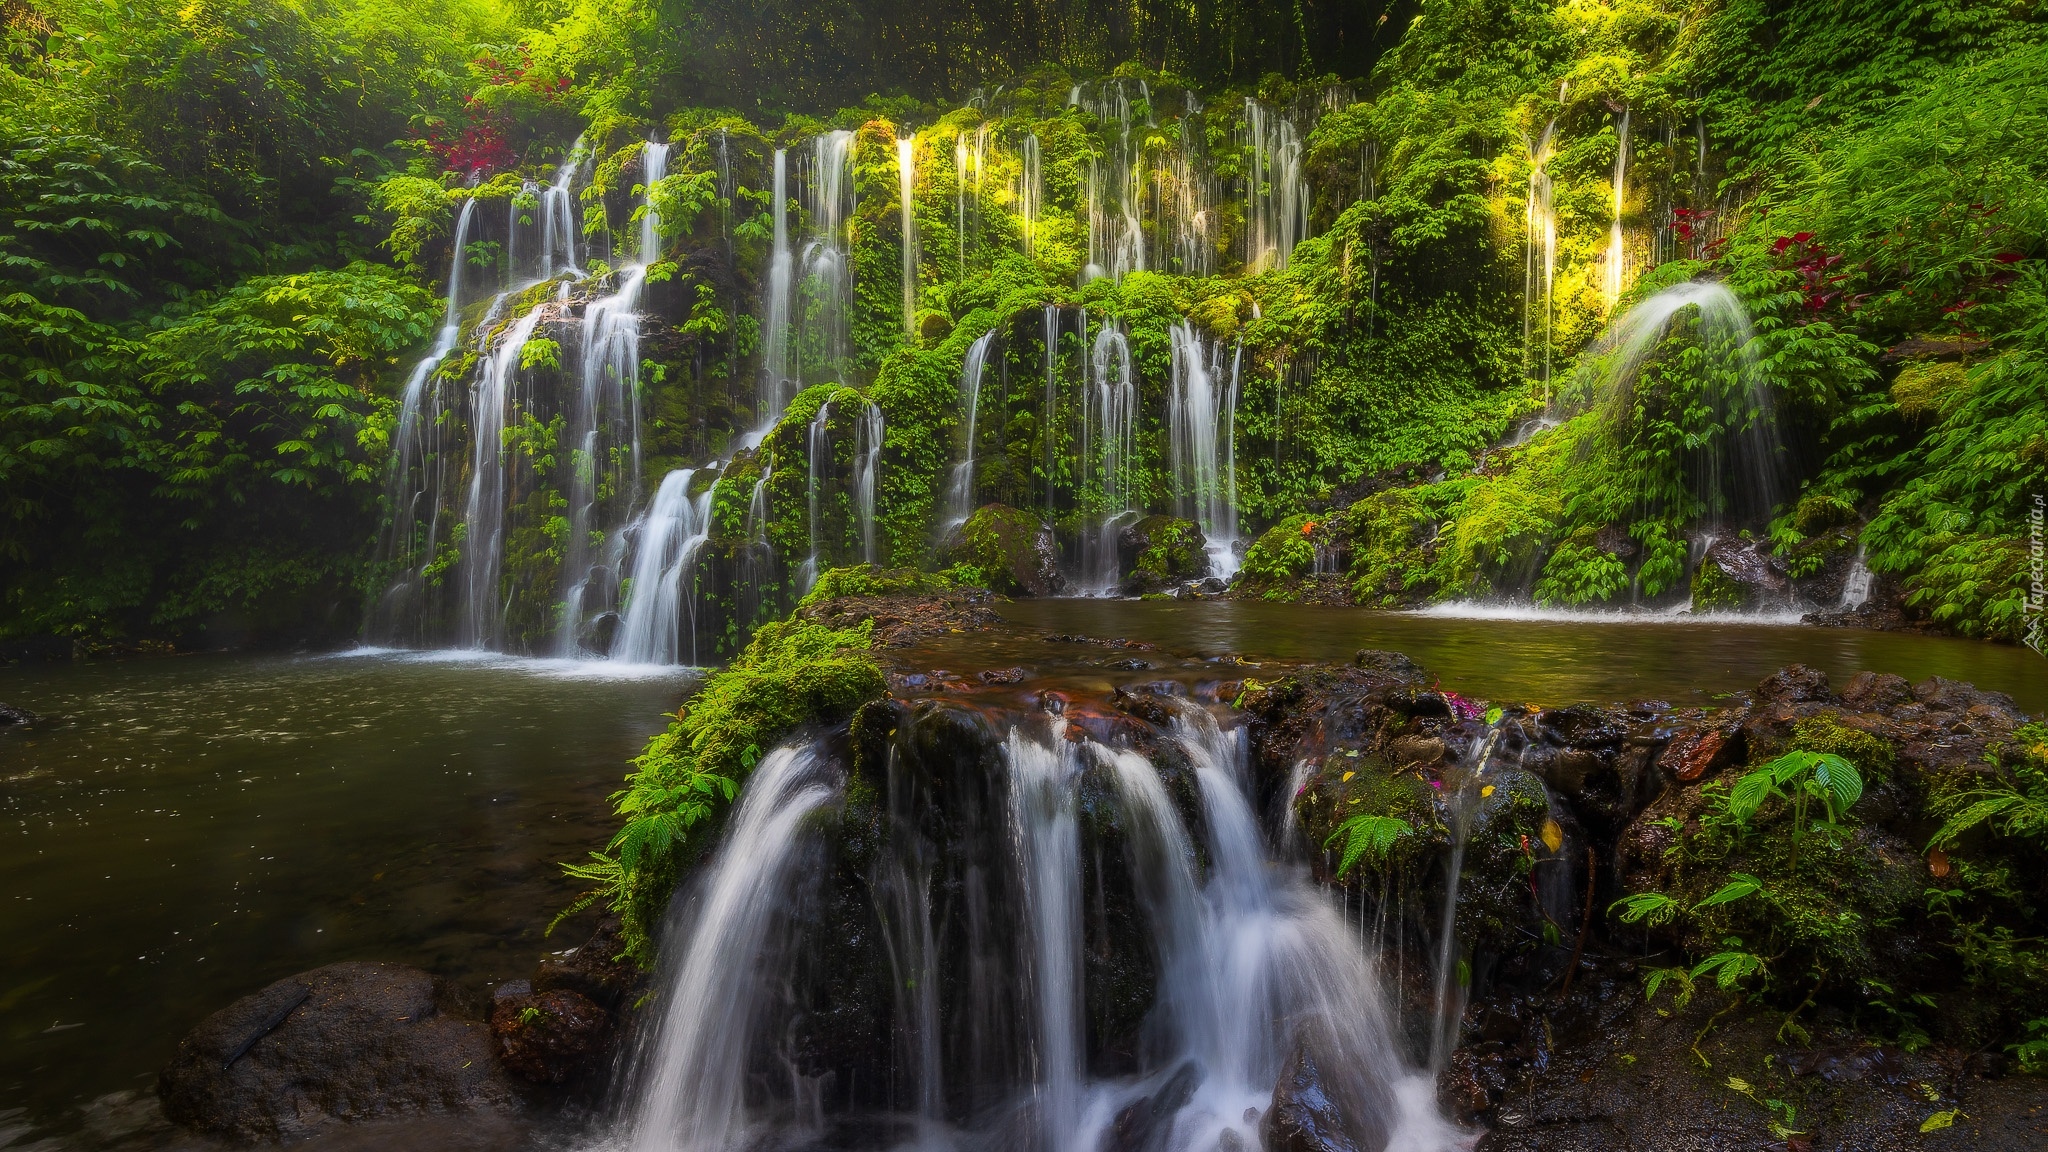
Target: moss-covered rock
x,y
1159,552
1010,550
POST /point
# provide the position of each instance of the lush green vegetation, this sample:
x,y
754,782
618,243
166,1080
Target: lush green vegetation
x,y
226,223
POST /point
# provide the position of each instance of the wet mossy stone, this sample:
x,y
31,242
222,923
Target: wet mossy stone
x,y
1159,552
1013,550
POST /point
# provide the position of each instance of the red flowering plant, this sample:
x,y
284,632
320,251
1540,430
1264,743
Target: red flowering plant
x,y
478,142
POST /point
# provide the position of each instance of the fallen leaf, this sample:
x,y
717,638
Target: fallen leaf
x,y
1553,835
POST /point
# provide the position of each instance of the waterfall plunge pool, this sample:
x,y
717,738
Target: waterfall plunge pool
x,y
189,829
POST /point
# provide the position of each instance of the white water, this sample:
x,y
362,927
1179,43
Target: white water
x,y
776,389
960,486
483,516
1046,844
1031,196
1202,423
661,599
906,187
1049,334
1856,585
818,446
1276,205
1617,252
825,288
1539,224
691,1074
1108,439
867,460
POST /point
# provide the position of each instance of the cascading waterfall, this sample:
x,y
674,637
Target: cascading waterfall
x,y
1046,842
867,465
1617,253
558,217
906,185
1032,196
604,440
1049,334
483,517
960,487
825,289
662,599
1856,585
1276,205
691,1071
1201,420
1109,437
776,390
818,445
1462,788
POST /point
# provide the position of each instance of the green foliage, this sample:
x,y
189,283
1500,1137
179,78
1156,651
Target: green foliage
x,y
2015,807
1368,837
794,672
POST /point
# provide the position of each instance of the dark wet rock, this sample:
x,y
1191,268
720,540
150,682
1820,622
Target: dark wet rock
x,y
1145,1124
1794,684
596,970
1001,676
12,717
1304,1116
1159,552
1389,663
1409,750
1013,549
550,1037
1695,754
1737,573
1876,692
341,1044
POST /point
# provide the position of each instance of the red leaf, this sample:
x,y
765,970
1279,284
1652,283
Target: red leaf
x,y
2008,257
1802,237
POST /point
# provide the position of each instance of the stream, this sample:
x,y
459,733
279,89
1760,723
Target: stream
x,y
191,828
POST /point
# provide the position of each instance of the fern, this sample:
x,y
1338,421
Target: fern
x,y
1366,835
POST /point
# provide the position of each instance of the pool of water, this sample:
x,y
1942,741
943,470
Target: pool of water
x,y
1549,661
182,831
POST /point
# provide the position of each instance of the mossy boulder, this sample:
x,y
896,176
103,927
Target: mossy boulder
x,y
1159,552
1012,550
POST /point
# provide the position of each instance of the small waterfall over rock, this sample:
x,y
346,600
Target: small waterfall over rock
x,y
817,451
1108,440
777,385
718,966
825,288
1031,197
960,487
483,516
661,599
1044,838
1856,585
1539,223
1202,424
1049,336
867,473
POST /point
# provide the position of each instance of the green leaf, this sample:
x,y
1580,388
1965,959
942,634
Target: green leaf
x,y
1742,884
1365,835
1654,907
1940,1120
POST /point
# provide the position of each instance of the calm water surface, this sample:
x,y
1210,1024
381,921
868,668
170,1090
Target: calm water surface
x,y
1549,661
181,832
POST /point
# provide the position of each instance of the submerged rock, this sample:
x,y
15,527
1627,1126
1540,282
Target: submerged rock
x,y
12,717
1304,1117
341,1044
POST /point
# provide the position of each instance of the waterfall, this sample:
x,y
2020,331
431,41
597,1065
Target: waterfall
x,y
1045,840
1276,202
604,432
818,445
867,463
1617,255
1461,798
775,389
1109,435
960,488
960,199
906,186
826,286
903,902
662,596
1202,421
1856,585
1252,963
654,161
1539,223
1735,392
716,975
1032,195
558,218
483,517
1049,333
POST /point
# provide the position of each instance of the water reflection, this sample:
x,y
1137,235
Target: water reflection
x,y
184,831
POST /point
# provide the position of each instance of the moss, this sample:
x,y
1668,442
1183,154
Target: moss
x,y
1712,588
794,673
1930,391
1009,547
1169,551
1283,552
